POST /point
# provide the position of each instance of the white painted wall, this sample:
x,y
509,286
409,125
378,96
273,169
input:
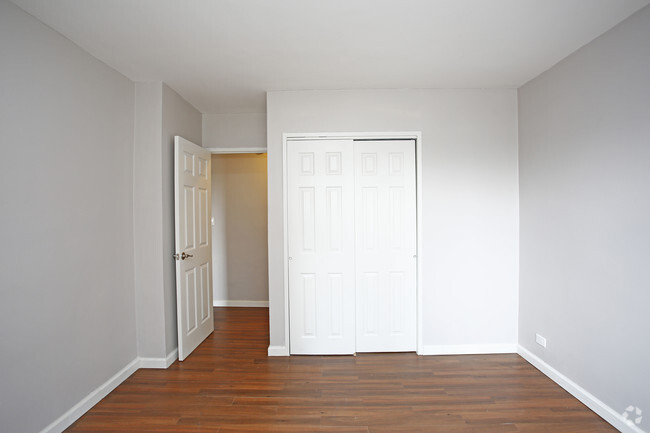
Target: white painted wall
x,y
234,130
585,216
470,201
67,306
239,236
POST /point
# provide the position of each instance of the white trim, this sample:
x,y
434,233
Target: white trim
x,y
152,362
230,150
159,362
285,245
388,135
467,349
173,356
414,135
588,399
66,420
217,303
278,351
420,243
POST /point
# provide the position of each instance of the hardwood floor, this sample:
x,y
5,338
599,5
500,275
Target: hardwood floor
x,y
230,385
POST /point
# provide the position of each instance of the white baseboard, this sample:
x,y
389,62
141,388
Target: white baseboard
x,y
66,420
278,351
467,349
607,413
159,362
240,303
173,356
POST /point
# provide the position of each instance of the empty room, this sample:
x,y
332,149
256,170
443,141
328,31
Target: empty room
x,y
325,216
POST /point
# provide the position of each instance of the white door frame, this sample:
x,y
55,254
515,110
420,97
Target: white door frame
x,y
414,135
235,150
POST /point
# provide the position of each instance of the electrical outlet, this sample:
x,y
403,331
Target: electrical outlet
x,y
540,340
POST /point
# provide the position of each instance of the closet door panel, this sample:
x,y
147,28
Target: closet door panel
x,y
320,192
386,244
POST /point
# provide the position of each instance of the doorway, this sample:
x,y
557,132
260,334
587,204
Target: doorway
x,y
239,229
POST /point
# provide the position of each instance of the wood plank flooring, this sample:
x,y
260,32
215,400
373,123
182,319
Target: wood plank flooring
x,y
230,385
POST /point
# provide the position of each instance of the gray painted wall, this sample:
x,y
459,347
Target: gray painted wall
x,y
234,130
67,319
160,115
70,206
470,201
585,215
148,221
239,233
178,118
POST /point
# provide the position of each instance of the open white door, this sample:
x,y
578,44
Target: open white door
x,y
193,245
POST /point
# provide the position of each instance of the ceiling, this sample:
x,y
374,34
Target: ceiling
x,y
223,55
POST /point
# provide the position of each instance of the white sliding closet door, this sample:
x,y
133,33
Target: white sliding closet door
x,y
386,246
320,188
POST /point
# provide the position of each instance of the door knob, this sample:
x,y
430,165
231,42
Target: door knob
x,y
185,256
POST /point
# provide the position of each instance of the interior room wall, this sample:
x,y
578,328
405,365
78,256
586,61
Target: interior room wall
x,y
179,117
234,130
584,137
160,115
67,315
469,199
148,221
239,233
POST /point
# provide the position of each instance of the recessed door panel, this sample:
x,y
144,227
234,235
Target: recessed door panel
x,y
370,295
188,163
368,224
333,163
334,223
188,217
205,304
190,300
336,304
203,164
307,221
306,160
309,304
397,294
396,217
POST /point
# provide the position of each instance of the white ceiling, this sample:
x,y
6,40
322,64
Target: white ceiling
x,y
223,55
